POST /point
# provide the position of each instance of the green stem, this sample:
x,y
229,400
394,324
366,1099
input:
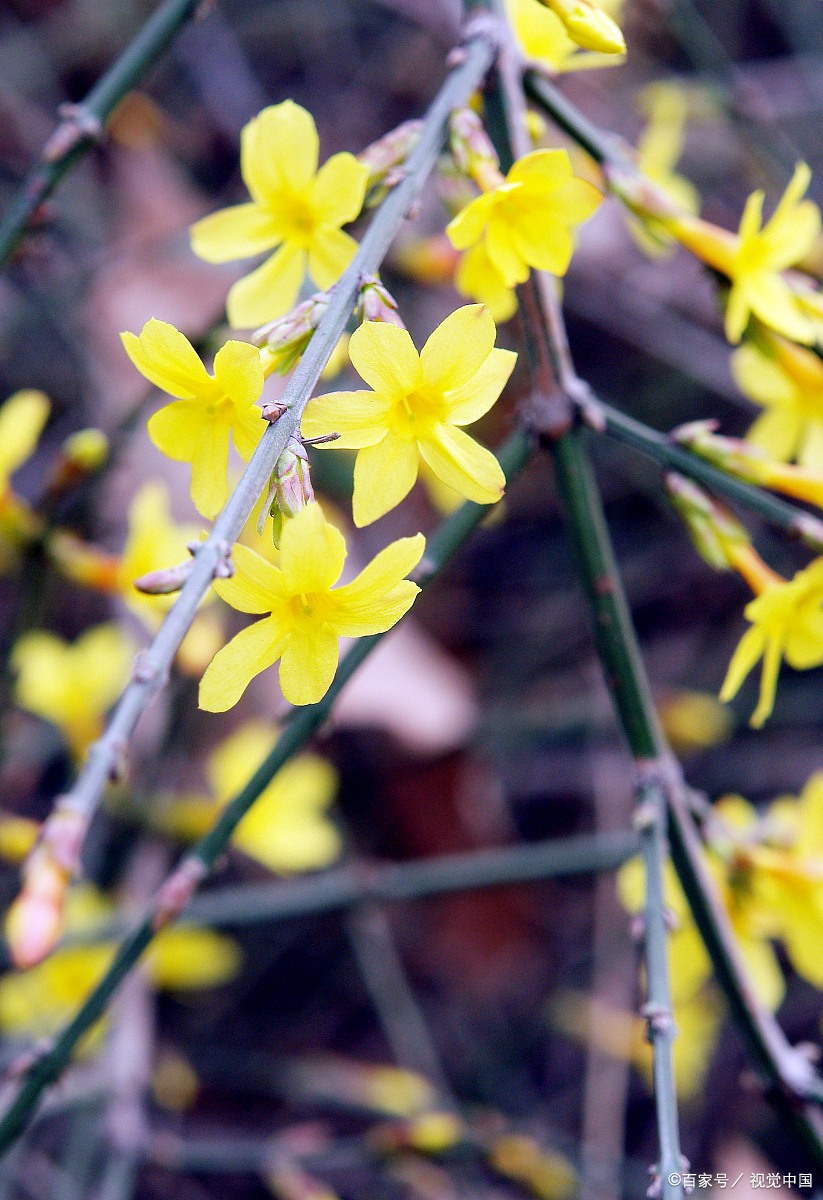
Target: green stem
x,y
96,108
795,521
196,864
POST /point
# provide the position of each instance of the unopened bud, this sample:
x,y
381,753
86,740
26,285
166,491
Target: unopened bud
x,y
290,488
385,159
712,527
35,920
81,455
749,462
165,580
429,1133
83,561
472,149
429,260
285,339
588,25
376,303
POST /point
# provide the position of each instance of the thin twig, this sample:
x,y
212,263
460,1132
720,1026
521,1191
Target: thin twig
x,y
151,671
196,864
82,124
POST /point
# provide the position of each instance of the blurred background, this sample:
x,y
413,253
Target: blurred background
x,y
480,1045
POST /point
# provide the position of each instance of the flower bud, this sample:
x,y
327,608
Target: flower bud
x,y
385,159
376,303
430,260
165,580
472,149
712,527
588,25
82,561
285,339
290,488
81,455
749,462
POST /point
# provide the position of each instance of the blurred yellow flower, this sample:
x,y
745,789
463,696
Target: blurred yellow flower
x,y
527,221
293,206
658,149
545,38
417,409
307,613
154,541
479,279
786,622
72,685
754,260
210,409
787,380
22,418
694,720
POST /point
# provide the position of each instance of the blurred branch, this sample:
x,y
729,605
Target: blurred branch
x,y
195,865
152,668
82,124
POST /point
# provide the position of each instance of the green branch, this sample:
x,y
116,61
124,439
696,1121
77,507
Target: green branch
x,y
83,123
196,864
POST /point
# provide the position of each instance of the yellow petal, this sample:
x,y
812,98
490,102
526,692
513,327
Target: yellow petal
x,y
470,223
772,301
232,669
384,356
380,595
811,450
269,291
768,683
458,348
546,167
738,310
278,151
503,251
464,464
209,466
255,587
542,243
471,401
247,428
237,232
384,474
339,190
760,377
22,418
167,359
309,662
777,433
312,552
361,418
330,252
478,278
286,849
749,650
189,958
238,370
176,428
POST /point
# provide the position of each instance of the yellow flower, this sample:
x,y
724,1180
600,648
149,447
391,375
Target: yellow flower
x,y
288,828
293,206
306,615
527,221
209,408
786,622
479,279
753,261
658,150
154,541
544,38
22,418
788,381
74,685
416,410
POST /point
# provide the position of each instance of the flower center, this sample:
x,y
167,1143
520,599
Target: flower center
x,y
298,220
417,413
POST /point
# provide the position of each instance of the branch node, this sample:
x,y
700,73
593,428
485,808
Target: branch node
x,y
273,410
658,1016
176,892
481,25
78,124
145,669
224,567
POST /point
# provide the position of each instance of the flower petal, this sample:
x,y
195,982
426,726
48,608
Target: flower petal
x,y
458,347
760,377
541,241
470,223
384,474
777,432
330,252
471,401
339,190
380,595
247,428
308,663
464,464
278,151
749,650
236,232
176,428
269,291
167,359
238,370
232,669
771,300
385,357
312,552
543,167
811,450
503,251
22,418
361,418
255,587
209,466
